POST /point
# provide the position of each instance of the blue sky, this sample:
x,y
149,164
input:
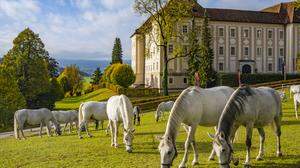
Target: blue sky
x,y
85,29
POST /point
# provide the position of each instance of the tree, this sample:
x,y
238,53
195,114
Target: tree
x,y
297,3
71,80
11,99
122,75
166,15
28,61
206,71
117,52
97,75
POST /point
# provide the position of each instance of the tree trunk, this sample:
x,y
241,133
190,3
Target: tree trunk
x,y
165,72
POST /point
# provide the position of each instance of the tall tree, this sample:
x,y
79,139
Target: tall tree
x,y
117,52
28,60
71,80
206,71
165,15
97,75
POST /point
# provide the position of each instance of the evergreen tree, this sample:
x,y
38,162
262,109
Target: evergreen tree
x,y
206,72
97,75
194,57
117,52
28,60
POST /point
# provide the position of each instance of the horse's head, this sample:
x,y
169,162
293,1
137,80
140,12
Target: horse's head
x,y
168,151
158,113
128,138
223,150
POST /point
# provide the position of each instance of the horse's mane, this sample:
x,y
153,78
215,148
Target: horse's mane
x,y
234,108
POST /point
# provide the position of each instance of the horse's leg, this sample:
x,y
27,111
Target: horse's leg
x,y
189,140
249,130
70,127
22,132
194,146
41,129
277,123
65,127
87,129
116,134
134,118
213,153
107,128
79,129
111,125
261,145
48,129
296,108
102,123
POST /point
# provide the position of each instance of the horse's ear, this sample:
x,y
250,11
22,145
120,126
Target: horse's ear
x,y
159,137
211,136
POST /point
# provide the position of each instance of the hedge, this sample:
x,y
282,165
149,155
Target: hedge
x,y
230,79
131,92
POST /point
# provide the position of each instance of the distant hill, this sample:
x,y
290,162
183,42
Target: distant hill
x,y
87,66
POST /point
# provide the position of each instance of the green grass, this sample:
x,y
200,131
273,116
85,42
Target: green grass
x,y
69,151
74,102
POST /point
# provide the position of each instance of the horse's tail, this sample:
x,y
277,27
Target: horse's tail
x,y
16,125
80,115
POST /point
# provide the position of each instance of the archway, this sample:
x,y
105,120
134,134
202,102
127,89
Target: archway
x,y
247,69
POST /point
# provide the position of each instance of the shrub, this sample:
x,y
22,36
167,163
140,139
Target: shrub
x,y
122,75
107,73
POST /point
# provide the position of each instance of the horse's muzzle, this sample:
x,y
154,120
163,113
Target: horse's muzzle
x,y
129,149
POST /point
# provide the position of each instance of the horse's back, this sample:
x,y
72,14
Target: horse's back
x,y
116,105
95,109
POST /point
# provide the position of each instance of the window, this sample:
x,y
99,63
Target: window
x,y
221,50
184,80
270,67
221,66
281,52
270,34
280,64
258,34
170,80
270,52
232,50
232,33
221,32
246,33
246,51
157,66
184,29
171,49
281,35
258,51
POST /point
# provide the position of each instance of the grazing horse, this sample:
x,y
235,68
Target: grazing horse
x,y
90,110
296,102
136,115
66,117
119,110
195,106
33,117
162,108
252,108
294,89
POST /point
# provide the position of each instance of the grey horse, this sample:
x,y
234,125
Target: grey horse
x,y
252,108
66,117
34,117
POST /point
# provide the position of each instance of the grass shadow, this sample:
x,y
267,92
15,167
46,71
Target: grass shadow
x,y
291,123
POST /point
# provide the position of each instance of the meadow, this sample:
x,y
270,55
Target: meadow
x,y
69,151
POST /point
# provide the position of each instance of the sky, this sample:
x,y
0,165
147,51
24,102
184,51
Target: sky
x,y
86,29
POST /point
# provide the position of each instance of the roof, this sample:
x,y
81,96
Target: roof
x,y
283,13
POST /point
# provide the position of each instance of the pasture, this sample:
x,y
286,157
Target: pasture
x,y
69,151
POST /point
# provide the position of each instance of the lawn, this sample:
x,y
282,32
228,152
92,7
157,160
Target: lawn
x,y
70,151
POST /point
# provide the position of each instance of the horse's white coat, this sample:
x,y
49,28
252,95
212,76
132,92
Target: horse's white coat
x,y
120,110
88,110
66,117
162,108
296,103
40,117
195,106
294,89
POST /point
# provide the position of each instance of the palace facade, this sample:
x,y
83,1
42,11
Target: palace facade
x,y
249,41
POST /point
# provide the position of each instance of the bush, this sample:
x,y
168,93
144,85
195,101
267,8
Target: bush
x,y
122,75
230,79
107,73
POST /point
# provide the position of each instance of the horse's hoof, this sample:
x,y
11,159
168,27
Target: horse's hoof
x,y
112,144
259,158
194,163
211,159
247,165
279,154
182,166
116,146
80,137
90,136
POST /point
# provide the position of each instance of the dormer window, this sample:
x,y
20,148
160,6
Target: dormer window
x,y
184,29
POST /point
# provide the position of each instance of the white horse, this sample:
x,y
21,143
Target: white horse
x,y
253,108
195,106
66,117
162,108
296,102
119,110
294,89
91,110
34,117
